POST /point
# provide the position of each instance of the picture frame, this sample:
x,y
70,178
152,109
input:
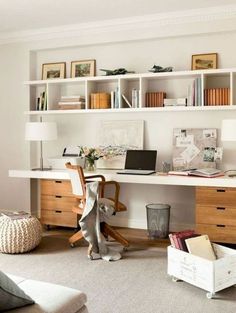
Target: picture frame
x,y
83,68
54,70
204,61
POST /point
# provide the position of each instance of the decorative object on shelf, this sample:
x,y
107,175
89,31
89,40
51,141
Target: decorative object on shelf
x,y
41,131
159,69
118,71
204,61
83,68
54,70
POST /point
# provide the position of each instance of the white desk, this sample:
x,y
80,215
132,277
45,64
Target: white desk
x,y
214,206
155,179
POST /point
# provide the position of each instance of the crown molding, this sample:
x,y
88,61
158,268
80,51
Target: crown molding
x,y
178,23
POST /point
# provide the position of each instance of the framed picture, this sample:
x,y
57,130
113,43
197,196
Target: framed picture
x,y
83,68
204,61
54,70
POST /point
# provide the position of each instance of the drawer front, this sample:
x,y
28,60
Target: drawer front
x,y
212,214
218,233
218,196
59,218
54,203
56,187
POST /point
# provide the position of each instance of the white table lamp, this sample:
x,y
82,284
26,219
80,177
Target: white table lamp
x,y
228,130
41,131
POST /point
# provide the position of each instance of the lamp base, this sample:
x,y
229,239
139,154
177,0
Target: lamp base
x,y
42,169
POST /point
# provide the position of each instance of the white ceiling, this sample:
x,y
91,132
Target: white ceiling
x,y
25,15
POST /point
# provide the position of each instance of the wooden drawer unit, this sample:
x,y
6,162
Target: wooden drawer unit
x,y
57,201
219,233
216,213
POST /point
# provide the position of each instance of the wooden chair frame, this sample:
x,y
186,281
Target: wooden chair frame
x,y
106,229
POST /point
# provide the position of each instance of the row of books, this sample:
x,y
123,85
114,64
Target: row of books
x,y
71,102
193,243
100,100
41,104
155,99
134,99
194,97
217,96
115,103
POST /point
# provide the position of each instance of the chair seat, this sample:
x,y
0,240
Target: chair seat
x,y
120,207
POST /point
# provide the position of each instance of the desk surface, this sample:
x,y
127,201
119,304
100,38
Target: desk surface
x,y
154,179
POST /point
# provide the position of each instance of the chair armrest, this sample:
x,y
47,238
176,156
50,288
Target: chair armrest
x,y
95,176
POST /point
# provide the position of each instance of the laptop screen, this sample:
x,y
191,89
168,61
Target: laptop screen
x,y
141,160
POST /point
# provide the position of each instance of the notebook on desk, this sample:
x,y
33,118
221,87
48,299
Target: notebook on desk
x,y
139,162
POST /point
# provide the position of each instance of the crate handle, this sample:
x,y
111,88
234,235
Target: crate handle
x,y
220,190
58,181
220,208
219,225
57,211
58,196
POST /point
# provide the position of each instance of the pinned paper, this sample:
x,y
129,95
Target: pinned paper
x,y
209,133
190,153
184,141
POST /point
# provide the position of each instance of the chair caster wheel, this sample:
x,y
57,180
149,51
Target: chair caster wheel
x,y
175,279
72,245
210,295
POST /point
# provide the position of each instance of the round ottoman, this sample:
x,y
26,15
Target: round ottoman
x,y
19,235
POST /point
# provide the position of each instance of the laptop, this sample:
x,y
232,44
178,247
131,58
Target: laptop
x,y
139,162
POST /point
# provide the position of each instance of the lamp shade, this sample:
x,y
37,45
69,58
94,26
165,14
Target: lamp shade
x,y
228,130
40,131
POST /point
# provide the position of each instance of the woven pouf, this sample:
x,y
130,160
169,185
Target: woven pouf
x,y
19,235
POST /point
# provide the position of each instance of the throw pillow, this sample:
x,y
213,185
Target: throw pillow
x,y
11,296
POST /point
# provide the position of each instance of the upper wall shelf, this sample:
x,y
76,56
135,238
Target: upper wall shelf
x,y
145,92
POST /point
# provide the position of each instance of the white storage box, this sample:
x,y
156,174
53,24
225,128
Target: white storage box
x,y
59,162
211,276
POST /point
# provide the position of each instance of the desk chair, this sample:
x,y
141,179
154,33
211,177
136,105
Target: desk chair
x,y
78,183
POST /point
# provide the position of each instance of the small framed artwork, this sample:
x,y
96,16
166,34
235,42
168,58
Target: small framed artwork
x,y
83,68
204,61
54,70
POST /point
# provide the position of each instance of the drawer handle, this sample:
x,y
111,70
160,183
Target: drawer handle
x,y
57,211
220,190
58,196
58,181
219,225
220,208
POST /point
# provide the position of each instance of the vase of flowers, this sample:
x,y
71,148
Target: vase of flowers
x,y
91,155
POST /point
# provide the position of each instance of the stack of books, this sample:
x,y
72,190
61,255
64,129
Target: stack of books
x,y
155,99
175,102
217,96
72,102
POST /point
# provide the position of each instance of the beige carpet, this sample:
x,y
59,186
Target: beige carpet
x,y
137,283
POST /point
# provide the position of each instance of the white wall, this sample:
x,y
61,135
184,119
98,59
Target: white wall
x,y
81,129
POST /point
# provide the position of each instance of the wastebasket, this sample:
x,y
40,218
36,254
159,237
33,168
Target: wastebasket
x,y
158,218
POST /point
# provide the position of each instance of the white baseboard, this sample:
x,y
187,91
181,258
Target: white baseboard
x,y
142,224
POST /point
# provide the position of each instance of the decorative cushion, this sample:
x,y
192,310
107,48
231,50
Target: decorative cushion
x,y
11,296
19,235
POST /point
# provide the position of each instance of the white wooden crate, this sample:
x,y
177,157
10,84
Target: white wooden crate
x,y
211,276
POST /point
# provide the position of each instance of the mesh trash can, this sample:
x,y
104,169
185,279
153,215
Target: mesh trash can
x,y
158,217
